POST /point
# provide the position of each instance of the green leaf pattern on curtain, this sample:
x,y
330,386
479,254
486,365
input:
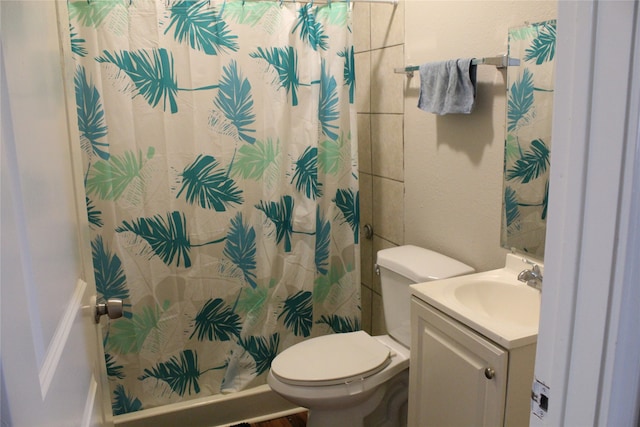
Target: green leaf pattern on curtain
x,y
311,31
280,214
284,62
328,111
181,373
527,143
240,248
208,186
298,313
199,24
234,100
124,402
306,174
167,236
262,349
221,185
152,73
216,321
90,116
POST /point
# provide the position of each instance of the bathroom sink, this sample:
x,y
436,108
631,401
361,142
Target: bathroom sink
x,y
493,303
502,301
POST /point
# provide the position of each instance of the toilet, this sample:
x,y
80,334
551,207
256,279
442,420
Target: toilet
x,y
353,379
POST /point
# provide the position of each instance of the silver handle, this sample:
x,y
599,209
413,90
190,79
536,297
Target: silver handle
x,y
489,373
112,308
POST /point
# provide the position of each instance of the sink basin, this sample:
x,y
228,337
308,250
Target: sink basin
x,y
493,303
503,301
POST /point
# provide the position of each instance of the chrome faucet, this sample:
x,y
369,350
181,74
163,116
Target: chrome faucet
x,y
532,277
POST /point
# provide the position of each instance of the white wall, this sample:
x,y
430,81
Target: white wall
x,y
453,164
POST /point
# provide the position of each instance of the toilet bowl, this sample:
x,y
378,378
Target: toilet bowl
x,y
353,379
358,369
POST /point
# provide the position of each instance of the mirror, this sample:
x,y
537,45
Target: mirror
x,y
528,137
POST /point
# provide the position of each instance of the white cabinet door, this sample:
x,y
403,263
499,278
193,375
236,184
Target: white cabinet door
x,y
457,377
49,347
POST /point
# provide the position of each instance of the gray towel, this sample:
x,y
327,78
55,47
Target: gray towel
x,y
447,87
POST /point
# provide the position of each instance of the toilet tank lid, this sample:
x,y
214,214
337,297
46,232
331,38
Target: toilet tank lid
x,y
421,265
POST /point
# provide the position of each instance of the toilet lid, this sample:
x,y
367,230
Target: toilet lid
x,y
331,359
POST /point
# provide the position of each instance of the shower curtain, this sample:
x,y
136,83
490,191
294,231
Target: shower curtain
x,y
221,186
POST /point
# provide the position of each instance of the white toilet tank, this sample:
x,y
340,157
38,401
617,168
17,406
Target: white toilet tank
x,y
402,266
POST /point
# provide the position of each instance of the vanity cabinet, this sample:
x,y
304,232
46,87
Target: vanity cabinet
x,y
460,378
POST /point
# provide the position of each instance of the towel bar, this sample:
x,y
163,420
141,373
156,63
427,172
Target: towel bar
x,y
501,61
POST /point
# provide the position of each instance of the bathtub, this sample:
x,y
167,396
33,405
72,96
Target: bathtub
x,y
254,405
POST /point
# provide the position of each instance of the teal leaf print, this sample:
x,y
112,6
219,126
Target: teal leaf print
x,y
90,116
123,403
285,62
512,210
532,164
111,281
235,102
306,174
209,186
349,73
108,179
520,100
198,23
298,313
339,324
92,13
152,74
253,161
311,31
180,373
240,248
93,214
128,335
280,213
349,204
323,240
167,237
262,349
113,370
328,108
77,43
543,47
216,321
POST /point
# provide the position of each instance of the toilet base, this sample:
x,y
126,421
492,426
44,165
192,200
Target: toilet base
x,y
351,416
386,407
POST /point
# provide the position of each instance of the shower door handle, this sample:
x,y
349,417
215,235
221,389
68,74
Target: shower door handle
x,y
112,308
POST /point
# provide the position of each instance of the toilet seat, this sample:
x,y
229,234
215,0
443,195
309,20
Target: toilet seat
x,y
331,359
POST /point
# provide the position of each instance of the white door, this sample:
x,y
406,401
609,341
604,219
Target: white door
x,y
51,371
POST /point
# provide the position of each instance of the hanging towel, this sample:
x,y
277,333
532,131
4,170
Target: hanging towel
x,y
447,87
